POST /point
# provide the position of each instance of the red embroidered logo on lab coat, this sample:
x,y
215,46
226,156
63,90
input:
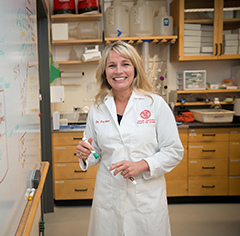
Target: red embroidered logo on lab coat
x,y
146,114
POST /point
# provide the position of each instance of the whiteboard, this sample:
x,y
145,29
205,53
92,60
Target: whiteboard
x,y
20,151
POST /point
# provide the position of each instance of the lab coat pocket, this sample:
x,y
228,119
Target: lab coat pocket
x,y
103,192
149,196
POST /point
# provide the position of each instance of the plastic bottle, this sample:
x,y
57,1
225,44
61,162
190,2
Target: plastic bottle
x,y
141,19
117,20
163,24
85,30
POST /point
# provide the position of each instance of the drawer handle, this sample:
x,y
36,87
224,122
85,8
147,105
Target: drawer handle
x,y
208,150
203,167
77,171
208,134
213,186
77,138
81,190
75,154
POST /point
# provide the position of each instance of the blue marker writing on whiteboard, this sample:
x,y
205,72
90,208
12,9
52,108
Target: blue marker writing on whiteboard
x,y
92,151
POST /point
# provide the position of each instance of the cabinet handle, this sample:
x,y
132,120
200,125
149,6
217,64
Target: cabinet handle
x,y
75,154
216,49
203,167
77,138
208,134
213,186
81,190
221,49
208,150
78,171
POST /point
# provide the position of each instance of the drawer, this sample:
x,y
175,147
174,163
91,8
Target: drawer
x,y
74,189
234,167
66,138
176,180
234,150
183,134
234,134
208,167
234,185
208,135
64,154
207,185
73,171
208,150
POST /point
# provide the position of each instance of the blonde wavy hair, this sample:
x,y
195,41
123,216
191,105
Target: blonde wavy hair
x,y
140,83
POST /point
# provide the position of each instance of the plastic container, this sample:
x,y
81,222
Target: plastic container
x,y
64,7
117,20
141,19
213,115
85,30
163,24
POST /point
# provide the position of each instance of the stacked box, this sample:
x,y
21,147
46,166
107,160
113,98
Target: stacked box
x,y
207,39
231,43
192,39
237,31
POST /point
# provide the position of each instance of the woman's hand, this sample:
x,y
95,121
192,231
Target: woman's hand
x,y
128,168
83,149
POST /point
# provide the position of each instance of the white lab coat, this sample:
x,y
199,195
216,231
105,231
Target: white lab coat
x,y
147,131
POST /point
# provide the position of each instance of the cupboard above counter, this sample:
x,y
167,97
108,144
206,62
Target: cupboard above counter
x,y
207,30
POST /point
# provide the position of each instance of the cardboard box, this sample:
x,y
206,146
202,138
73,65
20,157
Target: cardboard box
x,y
59,31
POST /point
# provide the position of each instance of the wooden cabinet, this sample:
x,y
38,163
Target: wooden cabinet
x,y
69,180
208,162
234,161
206,13
176,180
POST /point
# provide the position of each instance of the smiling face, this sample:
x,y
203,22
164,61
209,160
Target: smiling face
x,y
119,72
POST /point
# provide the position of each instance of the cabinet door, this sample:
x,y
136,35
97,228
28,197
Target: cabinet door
x,y
197,22
228,30
176,180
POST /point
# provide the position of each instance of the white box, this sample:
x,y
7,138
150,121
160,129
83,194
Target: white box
x,y
227,14
207,28
192,26
230,42
206,44
206,49
59,31
191,50
192,39
194,80
192,32
207,34
192,44
213,115
207,40
230,36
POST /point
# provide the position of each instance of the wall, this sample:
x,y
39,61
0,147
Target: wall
x,y
74,94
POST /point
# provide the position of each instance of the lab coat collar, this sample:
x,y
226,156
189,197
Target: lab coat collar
x,y
110,104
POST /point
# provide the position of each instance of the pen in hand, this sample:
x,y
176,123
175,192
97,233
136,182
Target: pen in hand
x,y
92,151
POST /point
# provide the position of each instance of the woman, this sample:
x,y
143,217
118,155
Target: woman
x,y
135,133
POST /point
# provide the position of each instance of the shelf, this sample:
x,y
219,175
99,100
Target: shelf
x,y
76,62
72,17
79,41
209,91
199,21
139,40
201,103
